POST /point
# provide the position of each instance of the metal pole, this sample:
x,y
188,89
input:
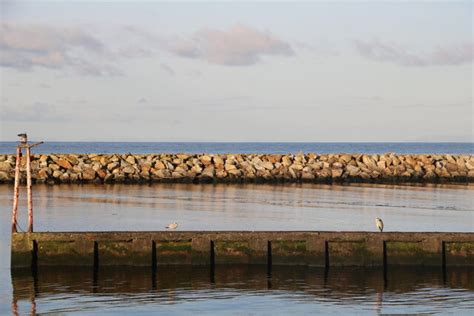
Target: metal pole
x,y
15,307
29,191
33,304
16,189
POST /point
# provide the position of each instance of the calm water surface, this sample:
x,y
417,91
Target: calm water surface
x,y
240,289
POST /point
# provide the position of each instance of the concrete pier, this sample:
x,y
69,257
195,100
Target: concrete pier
x,y
310,248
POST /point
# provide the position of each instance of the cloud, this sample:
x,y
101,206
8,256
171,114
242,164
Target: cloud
x,y
194,73
26,46
167,69
72,100
439,56
321,48
238,46
37,112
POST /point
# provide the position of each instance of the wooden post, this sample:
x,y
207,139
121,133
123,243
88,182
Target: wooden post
x,y
29,191
16,189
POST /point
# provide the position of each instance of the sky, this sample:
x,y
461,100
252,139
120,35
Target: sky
x,y
352,71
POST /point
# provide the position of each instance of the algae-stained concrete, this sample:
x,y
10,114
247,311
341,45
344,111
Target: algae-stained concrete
x,y
412,253
62,252
459,253
290,252
352,253
173,252
248,251
133,252
22,250
234,251
248,247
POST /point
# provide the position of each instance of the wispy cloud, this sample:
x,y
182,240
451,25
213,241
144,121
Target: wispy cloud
x,y
390,52
44,85
194,73
36,112
321,48
238,46
72,100
26,46
167,69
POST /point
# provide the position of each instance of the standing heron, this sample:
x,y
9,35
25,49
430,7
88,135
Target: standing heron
x,y
379,223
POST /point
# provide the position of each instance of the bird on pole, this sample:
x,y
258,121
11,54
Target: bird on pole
x,y
379,223
23,138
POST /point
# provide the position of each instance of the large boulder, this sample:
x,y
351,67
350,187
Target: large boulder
x,y
64,163
88,174
5,166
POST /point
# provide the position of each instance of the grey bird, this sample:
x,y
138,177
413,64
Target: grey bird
x,y
172,226
23,138
379,223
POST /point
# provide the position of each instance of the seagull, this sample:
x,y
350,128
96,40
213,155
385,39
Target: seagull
x,y
172,226
379,223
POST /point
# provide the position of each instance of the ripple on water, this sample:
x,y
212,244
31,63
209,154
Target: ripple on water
x,y
246,289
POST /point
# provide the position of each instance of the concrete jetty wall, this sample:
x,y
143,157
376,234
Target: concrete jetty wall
x,y
322,249
129,168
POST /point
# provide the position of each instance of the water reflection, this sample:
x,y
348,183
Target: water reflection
x,y
63,290
248,289
249,207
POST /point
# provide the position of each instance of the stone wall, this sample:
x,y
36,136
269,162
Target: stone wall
x,y
130,168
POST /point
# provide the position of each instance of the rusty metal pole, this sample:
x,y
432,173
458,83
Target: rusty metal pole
x,y
33,304
15,307
29,191
16,189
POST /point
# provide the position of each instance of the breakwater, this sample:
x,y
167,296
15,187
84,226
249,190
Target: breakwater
x,y
133,168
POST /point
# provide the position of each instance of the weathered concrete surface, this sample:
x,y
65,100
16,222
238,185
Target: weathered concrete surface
x,y
311,167
233,247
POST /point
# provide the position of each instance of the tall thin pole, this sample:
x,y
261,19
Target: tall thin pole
x,y
29,191
15,307
33,304
16,190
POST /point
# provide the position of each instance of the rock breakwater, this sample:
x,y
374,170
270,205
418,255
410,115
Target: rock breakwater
x,y
131,168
